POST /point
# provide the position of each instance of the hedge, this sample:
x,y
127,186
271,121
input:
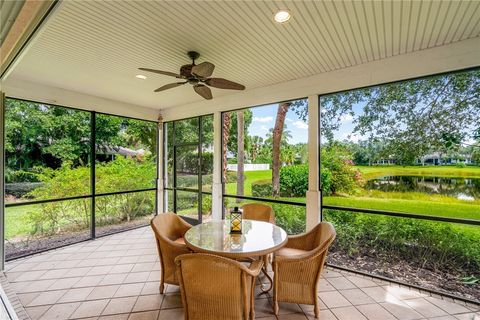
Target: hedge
x,y
21,189
294,181
262,188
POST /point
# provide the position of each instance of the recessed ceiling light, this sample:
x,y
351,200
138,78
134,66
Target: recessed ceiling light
x,y
282,16
141,76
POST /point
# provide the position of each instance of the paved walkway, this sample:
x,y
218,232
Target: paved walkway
x,y
117,277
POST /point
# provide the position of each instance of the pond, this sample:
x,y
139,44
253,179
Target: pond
x,y
460,188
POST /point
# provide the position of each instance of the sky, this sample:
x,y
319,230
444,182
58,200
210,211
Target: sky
x,y
263,119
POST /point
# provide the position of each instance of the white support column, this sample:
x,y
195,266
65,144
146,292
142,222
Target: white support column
x,y
217,188
160,164
313,193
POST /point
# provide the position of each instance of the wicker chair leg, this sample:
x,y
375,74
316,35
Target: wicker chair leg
x,y
275,307
252,299
162,287
316,309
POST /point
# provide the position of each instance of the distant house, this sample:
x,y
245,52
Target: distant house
x,y
436,159
106,154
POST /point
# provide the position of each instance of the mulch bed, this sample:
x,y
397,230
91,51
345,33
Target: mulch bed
x,y
408,273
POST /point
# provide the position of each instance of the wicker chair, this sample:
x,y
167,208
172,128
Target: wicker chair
x,y
215,287
298,265
169,230
258,211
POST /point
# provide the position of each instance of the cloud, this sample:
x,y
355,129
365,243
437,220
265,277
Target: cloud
x,y
352,137
300,124
262,119
289,120
346,118
264,128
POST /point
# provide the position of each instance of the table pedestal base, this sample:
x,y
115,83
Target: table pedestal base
x,y
265,272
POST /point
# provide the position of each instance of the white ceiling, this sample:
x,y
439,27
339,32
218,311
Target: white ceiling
x,y
95,47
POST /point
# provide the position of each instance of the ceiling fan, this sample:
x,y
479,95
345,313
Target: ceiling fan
x,y
197,75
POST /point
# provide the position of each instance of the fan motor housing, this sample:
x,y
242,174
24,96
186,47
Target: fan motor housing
x,y
186,70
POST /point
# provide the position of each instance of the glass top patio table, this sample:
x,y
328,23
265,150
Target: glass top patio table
x,y
257,239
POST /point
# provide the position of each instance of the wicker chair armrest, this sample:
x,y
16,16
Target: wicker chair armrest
x,y
307,255
255,268
300,241
185,226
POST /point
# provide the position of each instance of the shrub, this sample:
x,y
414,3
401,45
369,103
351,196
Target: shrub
x,y
16,176
326,181
293,181
461,165
21,189
337,160
206,205
291,218
186,200
232,176
207,162
262,188
118,175
431,245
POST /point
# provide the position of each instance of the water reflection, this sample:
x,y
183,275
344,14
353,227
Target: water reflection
x,y
460,188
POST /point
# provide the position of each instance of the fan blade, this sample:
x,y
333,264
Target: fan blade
x,y
204,91
170,86
203,70
166,73
224,84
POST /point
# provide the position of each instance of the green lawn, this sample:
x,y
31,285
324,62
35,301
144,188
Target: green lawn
x,y
15,221
250,176
411,202
458,210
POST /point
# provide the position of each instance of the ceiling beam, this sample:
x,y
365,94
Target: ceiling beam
x,y
21,89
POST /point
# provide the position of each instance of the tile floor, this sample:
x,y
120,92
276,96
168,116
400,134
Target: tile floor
x,y
117,277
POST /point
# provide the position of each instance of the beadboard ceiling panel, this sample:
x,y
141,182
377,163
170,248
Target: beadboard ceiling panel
x,y
95,47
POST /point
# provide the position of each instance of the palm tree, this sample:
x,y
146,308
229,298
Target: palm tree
x,y
240,153
256,144
276,143
226,133
288,155
286,135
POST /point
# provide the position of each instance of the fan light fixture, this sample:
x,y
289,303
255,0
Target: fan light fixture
x,y
282,16
141,76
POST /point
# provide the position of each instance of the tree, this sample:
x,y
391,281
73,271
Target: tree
x,y
412,118
226,135
256,144
276,142
233,132
301,150
240,153
288,155
301,107
142,134
286,135
39,135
